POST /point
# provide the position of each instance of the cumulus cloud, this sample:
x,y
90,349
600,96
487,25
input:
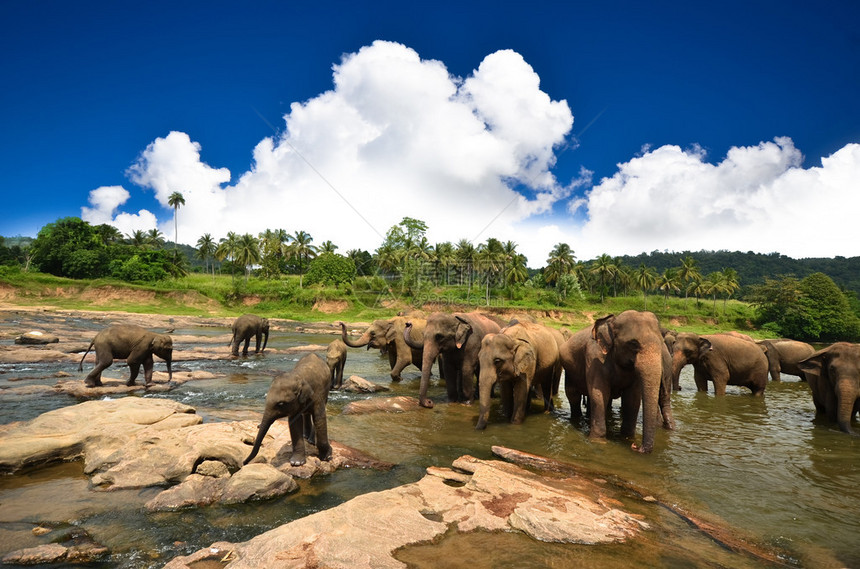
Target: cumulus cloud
x,y
473,157
757,198
396,136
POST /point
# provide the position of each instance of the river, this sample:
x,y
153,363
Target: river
x,y
763,465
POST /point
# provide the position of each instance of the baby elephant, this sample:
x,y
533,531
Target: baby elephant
x,y
335,356
301,395
132,343
244,328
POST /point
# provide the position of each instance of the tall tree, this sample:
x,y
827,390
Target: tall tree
x,y
247,253
301,249
491,258
645,280
668,282
175,200
155,238
327,247
227,249
560,262
604,269
206,250
466,256
689,271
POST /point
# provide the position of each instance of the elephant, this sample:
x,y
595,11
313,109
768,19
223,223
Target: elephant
x,y
335,356
132,343
572,357
626,357
301,395
783,356
246,326
722,359
457,338
387,335
833,375
669,337
521,356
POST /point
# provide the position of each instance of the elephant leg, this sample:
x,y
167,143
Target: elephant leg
x,y
468,380
597,406
320,423
258,337
506,397
94,378
397,366
297,437
134,368
247,343
521,401
340,365
700,376
147,370
720,385
631,400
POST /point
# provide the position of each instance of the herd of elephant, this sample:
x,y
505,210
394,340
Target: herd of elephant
x,y
627,356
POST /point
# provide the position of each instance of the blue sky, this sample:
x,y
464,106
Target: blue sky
x,y
624,126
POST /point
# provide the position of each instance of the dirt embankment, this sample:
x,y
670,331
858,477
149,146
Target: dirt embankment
x,y
108,295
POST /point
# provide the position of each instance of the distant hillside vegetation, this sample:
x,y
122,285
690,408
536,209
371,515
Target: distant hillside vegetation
x,y
752,268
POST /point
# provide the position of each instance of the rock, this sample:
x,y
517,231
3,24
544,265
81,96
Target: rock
x,y
257,482
306,348
213,468
78,548
365,531
36,338
356,384
398,404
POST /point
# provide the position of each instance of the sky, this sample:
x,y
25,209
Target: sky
x,y
615,127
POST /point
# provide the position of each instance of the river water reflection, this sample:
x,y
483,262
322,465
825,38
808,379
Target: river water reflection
x,y
760,464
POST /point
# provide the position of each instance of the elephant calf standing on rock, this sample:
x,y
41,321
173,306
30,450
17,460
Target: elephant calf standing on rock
x,y
132,343
246,326
301,395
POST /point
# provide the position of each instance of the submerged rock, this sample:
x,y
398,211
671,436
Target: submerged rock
x,y
398,404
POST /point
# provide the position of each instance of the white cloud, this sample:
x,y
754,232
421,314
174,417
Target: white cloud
x,y
757,198
396,136
400,136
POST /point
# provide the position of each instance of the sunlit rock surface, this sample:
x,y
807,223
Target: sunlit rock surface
x,y
475,495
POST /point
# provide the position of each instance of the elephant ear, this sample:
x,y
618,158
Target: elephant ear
x,y
525,362
464,329
601,333
816,364
705,346
391,332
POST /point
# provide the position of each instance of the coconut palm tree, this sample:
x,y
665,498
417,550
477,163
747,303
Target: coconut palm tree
x,y
714,284
247,252
645,279
730,285
175,200
688,272
138,239
301,249
561,261
466,255
603,268
206,250
155,238
491,257
327,247
226,249
668,282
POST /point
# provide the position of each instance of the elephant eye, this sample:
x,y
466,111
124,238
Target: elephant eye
x,y
497,361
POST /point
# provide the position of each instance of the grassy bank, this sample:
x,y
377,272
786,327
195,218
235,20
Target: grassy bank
x,y
368,298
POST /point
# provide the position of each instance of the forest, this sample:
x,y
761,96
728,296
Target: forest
x,y
812,299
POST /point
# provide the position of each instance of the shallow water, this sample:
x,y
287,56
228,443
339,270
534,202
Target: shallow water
x,y
760,464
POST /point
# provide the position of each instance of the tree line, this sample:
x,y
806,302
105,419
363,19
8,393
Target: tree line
x,y
786,304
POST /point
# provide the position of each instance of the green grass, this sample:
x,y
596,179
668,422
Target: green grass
x,y
366,299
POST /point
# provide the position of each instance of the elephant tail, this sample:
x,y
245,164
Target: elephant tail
x,y
81,365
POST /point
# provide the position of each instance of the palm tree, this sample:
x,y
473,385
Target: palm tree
x,y
645,279
155,238
714,284
227,250
175,200
466,255
516,271
138,239
205,250
444,255
327,247
668,282
491,256
730,285
247,252
603,268
301,249
689,271
108,233
560,262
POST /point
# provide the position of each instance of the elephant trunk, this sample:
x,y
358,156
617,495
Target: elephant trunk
x,y
407,337
678,363
486,379
261,433
265,339
846,396
429,356
360,343
650,369
169,361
